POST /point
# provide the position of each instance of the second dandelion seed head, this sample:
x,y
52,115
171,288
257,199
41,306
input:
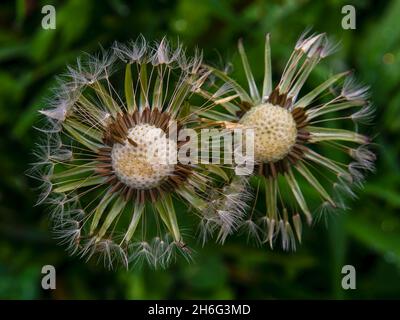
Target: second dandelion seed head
x,y
274,131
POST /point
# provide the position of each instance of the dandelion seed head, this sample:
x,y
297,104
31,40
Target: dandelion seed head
x,y
289,127
274,131
109,153
141,162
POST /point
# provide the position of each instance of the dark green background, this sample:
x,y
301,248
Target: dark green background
x,y
366,236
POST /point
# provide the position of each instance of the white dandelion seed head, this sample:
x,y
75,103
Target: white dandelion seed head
x,y
275,131
289,123
142,162
112,155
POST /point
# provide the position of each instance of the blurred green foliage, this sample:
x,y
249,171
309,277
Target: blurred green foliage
x,y
366,236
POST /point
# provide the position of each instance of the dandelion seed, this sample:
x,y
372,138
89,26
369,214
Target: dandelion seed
x,y
364,156
133,52
353,91
254,232
225,210
364,115
68,231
